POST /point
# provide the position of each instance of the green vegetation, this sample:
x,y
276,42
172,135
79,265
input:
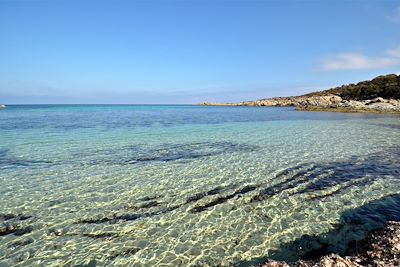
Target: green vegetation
x,y
385,86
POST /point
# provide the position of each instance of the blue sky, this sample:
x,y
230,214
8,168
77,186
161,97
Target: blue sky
x,y
190,51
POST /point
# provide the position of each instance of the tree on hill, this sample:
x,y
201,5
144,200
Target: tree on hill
x,y
385,86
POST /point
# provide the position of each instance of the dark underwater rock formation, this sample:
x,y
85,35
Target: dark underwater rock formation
x,y
14,224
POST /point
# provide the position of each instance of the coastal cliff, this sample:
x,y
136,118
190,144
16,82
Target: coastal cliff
x,y
380,95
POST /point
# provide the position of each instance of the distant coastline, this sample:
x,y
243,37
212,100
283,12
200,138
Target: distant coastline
x,y
379,95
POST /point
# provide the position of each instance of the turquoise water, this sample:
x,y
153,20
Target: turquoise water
x,y
125,185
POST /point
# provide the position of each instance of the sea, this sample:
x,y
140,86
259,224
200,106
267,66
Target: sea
x,y
186,185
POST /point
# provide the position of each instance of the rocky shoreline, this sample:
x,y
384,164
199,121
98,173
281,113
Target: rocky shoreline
x,y
379,95
381,247
376,105
323,103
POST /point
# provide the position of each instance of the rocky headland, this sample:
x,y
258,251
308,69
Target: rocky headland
x,y
379,95
380,248
336,103
2,106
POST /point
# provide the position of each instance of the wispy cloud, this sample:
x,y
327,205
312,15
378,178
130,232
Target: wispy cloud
x,y
395,52
359,61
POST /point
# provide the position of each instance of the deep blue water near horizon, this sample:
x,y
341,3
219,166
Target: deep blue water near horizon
x,y
185,185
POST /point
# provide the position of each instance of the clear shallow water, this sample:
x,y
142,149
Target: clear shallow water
x,y
190,185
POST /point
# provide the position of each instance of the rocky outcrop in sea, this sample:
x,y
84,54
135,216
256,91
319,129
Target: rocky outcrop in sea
x,y
380,248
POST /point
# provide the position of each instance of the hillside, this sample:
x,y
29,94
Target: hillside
x,y
385,86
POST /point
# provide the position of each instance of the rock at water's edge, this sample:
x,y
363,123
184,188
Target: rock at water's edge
x,y
381,247
325,103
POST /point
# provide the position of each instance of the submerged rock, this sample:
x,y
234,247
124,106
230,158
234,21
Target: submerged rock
x,y
381,247
14,228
